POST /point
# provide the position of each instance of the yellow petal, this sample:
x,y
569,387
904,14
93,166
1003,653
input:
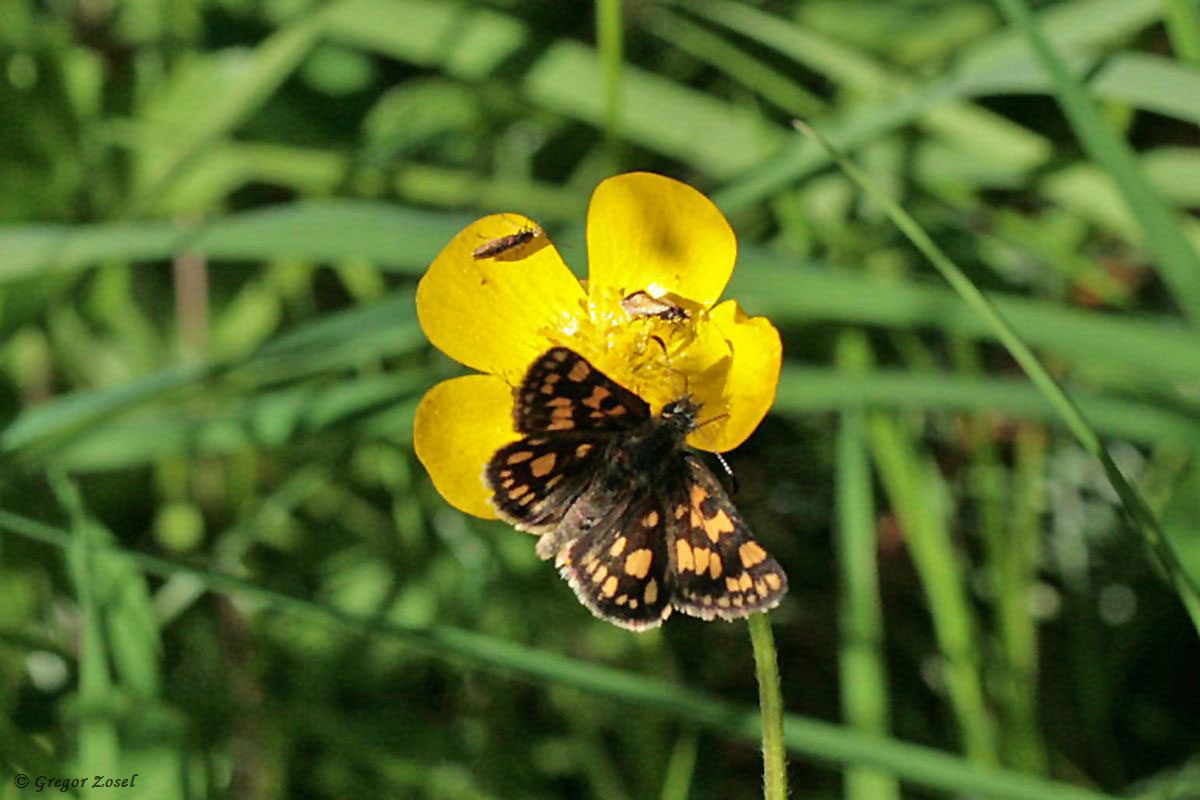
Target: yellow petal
x,y
494,314
749,382
649,232
459,424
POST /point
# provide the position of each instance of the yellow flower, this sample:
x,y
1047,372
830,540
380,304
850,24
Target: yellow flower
x,y
645,234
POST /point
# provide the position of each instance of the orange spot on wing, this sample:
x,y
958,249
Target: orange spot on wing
x,y
597,397
751,554
683,554
650,594
719,524
638,562
543,465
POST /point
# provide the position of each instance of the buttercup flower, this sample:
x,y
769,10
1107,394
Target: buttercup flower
x,y
659,256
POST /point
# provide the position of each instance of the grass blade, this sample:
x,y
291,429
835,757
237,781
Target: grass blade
x,y
818,740
1162,232
696,128
232,90
610,42
1183,26
99,741
863,672
1135,506
916,492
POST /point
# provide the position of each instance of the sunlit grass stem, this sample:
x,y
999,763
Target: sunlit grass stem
x,y
681,768
610,42
1008,516
917,493
861,663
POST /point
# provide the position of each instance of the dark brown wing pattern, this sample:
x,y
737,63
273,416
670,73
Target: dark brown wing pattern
x,y
718,568
535,481
563,392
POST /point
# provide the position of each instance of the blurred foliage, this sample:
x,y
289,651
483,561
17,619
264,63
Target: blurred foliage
x,y
215,212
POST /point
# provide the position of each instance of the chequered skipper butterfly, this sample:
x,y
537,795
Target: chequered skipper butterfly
x,y
636,523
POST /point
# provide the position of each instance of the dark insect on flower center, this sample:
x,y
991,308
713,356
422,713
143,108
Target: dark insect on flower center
x,y
643,304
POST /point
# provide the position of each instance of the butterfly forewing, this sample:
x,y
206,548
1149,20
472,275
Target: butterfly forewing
x,y
535,481
719,568
563,392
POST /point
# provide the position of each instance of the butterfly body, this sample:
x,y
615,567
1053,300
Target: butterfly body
x,y
637,524
646,453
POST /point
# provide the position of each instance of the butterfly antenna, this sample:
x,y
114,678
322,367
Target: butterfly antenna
x,y
687,389
711,420
732,488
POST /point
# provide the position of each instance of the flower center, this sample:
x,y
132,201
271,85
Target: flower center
x,y
646,339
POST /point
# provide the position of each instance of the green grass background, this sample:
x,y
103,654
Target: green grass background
x,y
223,569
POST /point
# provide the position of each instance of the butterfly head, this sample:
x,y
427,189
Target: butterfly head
x,y
680,415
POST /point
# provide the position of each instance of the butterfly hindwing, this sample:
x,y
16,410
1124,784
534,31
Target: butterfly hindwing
x,y
618,565
535,480
719,568
562,392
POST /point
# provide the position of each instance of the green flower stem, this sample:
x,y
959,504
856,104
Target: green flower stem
x,y
1135,505
770,704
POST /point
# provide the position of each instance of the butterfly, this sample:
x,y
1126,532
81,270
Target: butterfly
x,y
636,523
